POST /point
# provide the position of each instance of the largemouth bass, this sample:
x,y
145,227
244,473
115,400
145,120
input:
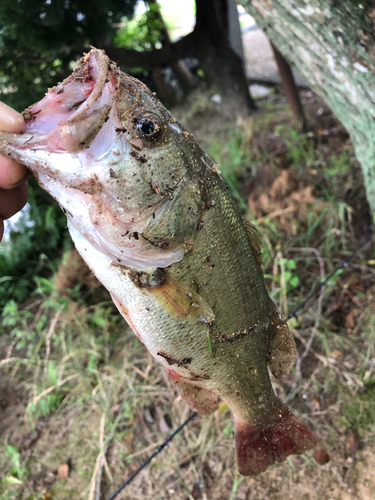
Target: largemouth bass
x,y
150,215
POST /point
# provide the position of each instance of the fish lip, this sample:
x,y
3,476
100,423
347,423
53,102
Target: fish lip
x,y
92,74
99,66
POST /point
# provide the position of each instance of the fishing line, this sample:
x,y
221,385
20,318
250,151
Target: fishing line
x,y
158,450
291,315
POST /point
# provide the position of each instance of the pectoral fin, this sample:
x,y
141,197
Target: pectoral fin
x,y
178,299
182,301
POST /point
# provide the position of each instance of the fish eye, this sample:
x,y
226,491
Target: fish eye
x,y
148,126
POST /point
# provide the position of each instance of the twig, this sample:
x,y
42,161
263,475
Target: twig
x,y
359,266
327,362
140,372
10,349
50,389
96,479
279,261
49,335
101,459
8,360
37,316
277,213
340,266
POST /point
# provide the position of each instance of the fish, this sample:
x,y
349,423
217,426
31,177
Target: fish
x,y
149,213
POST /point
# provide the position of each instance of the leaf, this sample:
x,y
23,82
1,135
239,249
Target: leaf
x,y
51,370
291,264
63,471
294,281
321,456
12,480
287,276
222,407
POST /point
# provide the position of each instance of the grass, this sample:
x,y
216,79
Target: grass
x,y
83,388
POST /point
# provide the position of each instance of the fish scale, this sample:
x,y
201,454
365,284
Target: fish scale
x,y
235,283
152,218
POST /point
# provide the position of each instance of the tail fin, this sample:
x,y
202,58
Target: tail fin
x,y
259,447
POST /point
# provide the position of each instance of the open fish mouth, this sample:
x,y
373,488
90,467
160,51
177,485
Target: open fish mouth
x,y
80,151
72,118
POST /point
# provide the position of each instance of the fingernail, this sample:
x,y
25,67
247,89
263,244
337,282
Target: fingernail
x,y
10,119
26,176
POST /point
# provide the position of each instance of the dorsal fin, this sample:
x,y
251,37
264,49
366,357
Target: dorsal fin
x,y
255,239
282,350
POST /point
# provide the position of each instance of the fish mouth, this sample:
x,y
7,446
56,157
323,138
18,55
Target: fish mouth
x,y
72,118
88,90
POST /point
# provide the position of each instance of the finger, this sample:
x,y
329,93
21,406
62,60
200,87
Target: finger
x,y
12,200
10,119
12,173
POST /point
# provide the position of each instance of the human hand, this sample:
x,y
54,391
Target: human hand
x,y
13,175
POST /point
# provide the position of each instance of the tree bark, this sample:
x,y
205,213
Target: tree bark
x,y
332,44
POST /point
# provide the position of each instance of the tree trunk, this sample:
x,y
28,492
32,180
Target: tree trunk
x,y
221,64
209,42
179,67
290,87
164,90
332,44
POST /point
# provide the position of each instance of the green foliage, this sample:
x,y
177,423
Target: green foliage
x,y
32,334
229,428
233,158
45,406
143,32
17,473
17,469
17,321
305,151
288,279
39,39
35,245
359,412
